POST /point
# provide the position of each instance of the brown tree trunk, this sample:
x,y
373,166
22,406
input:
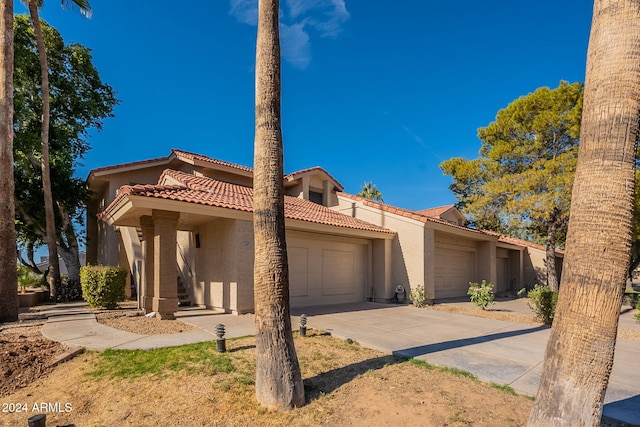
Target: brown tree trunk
x,y
69,252
579,354
278,379
54,265
8,248
550,260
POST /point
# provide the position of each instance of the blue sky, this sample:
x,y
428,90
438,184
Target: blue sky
x,y
371,90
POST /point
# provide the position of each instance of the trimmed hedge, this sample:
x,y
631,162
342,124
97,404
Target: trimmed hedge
x,y
103,286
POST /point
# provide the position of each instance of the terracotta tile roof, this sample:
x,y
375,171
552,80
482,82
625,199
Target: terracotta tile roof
x,y
437,211
201,158
520,242
130,164
211,192
420,216
407,213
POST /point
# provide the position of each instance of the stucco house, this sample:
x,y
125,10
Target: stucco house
x,y
182,226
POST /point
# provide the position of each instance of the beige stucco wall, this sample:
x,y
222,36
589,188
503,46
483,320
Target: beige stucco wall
x,y
214,264
486,262
408,254
186,261
535,271
223,266
104,240
301,187
413,250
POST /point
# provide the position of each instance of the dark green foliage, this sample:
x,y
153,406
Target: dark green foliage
x,y
79,102
543,303
27,278
521,183
68,290
103,286
370,191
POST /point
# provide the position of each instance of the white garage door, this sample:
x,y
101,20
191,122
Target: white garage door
x,y
324,272
454,271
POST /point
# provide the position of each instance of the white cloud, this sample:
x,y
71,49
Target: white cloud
x,y
245,11
326,17
295,46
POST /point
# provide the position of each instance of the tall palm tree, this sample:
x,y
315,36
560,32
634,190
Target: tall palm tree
x,y
54,264
580,350
8,274
278,378
370,191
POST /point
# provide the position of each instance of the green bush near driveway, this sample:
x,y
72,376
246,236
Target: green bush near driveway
x,y
103,286
542,300
481,294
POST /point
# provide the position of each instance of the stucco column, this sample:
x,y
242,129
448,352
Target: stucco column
x,y
486,262
381,269
165,283
146,294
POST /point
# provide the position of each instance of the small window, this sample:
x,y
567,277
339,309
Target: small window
x,y
315,197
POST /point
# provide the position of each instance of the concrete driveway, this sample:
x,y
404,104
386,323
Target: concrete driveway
x,y
494,351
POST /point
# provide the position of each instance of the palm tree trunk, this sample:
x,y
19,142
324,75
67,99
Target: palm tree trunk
x,y
8,248
550,259
579,354
278,377
54,266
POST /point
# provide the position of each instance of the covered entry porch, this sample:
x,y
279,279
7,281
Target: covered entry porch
x,y
209,249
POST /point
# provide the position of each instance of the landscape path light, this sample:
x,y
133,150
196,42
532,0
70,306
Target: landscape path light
x,y
222,345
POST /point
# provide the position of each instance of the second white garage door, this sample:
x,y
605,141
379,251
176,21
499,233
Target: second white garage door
x,y
454,271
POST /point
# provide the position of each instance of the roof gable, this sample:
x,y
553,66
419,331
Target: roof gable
x,y
316,170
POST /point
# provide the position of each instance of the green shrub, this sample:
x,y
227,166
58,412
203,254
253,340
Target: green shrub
x,y
631,297
27,278
68,290
542,300
638,313
103,286
418,297
481,294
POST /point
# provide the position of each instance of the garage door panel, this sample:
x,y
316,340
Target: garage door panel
x,y
337,272
298,271
454,271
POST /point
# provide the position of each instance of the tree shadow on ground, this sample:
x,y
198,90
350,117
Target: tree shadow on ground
x,y
327,382
463,342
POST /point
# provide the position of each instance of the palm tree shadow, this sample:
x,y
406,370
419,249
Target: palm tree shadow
x,y
327,382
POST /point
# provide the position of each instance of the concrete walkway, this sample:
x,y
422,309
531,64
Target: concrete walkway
x,y
75,325
494,351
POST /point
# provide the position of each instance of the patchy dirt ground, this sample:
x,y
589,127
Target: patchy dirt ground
x,y
25,355
345,385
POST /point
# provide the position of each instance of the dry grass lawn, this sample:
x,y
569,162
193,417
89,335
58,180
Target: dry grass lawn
x,y
346,384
